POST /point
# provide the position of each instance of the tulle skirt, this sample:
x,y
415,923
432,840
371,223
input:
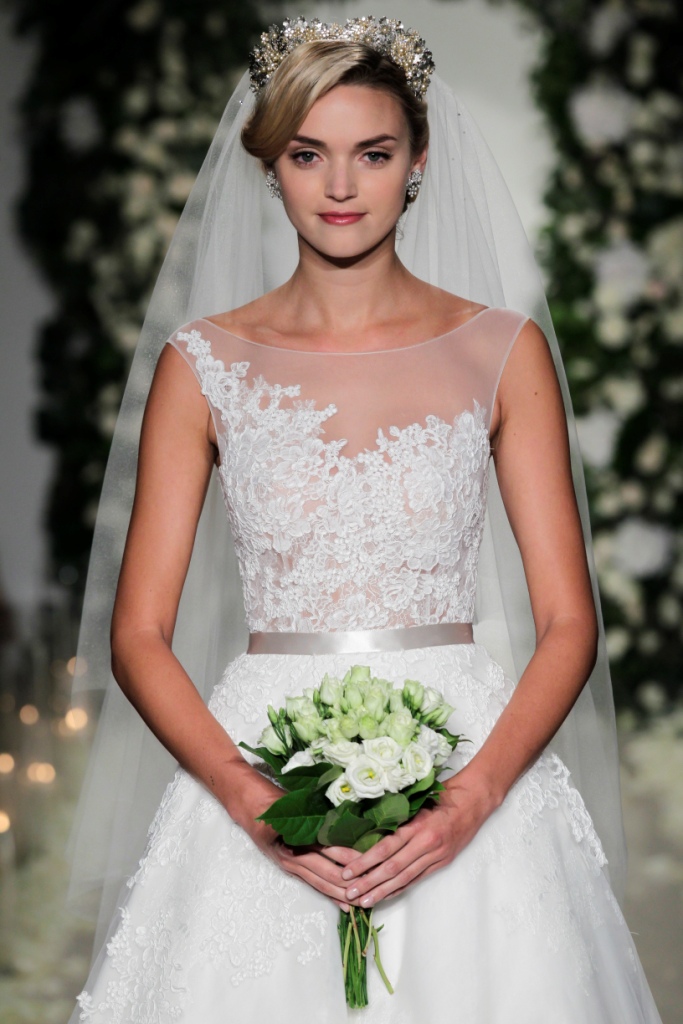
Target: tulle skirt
x,y
521,927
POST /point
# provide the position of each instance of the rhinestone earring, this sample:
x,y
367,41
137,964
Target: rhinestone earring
x,y
413,184
273,185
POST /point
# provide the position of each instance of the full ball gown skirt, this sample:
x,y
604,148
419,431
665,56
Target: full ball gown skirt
x,y
355,486
521,927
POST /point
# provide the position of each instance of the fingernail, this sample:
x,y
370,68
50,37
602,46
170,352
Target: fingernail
x,y
366,901
352,893
347,873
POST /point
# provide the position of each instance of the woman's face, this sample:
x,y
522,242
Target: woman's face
x,y
343,175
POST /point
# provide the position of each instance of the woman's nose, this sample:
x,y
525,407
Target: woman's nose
x,y
340,183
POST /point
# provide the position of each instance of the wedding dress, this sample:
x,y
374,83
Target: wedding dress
x,y
355,485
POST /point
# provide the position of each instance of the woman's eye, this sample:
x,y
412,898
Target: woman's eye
x,y
377,157
304,157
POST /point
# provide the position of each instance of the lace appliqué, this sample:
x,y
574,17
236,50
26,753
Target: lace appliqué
x,y
387,538
212,897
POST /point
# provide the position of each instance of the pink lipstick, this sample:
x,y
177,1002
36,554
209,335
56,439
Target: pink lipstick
x,y
341,218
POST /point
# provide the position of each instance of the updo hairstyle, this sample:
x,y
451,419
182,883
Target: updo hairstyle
x,y
309,72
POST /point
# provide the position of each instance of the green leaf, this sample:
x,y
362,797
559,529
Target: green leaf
x,y
369,839
389,811
297,816
452,738
342,826
305,776
419,799
422,784
333,772
276,761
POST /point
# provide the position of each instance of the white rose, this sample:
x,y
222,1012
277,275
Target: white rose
x,y
384,749
366,776
299,760
342,752
340,790
417,760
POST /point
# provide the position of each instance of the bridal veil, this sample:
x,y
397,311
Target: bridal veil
x,y
232,244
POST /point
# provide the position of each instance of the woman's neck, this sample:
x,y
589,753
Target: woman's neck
x,y
335,297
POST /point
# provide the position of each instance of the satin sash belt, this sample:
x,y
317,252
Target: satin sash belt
x,y
360,640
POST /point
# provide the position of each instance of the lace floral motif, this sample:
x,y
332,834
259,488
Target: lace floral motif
x,y
327,542
215,899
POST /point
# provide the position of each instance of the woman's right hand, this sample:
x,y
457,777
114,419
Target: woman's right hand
x,y
249,794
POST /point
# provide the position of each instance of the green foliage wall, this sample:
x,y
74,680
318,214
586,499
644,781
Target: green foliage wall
x,y
120,109
610,82
118,115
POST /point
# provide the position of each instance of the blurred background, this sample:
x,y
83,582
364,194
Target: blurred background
x,y
105,118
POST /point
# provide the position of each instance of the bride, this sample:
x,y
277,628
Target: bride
x,y
393,442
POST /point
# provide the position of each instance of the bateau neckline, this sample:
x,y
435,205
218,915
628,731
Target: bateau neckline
x,y
365,352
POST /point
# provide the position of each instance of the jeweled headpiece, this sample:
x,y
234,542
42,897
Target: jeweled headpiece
x,y
403,45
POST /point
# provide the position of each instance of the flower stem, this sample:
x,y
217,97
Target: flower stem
x,y
386,981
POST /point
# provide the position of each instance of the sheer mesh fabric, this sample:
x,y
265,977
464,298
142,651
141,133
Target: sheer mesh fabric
x,y
355,482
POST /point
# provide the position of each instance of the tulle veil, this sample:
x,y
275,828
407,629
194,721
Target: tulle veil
x,y
232,244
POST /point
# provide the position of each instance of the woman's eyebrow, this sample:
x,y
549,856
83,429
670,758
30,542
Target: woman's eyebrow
x,y
319,144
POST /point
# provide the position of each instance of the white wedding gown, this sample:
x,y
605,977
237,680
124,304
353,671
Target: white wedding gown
x,y
355,486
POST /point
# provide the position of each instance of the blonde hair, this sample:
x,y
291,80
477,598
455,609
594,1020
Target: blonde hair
x,y
312,70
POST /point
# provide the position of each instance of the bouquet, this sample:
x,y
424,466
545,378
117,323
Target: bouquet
x,y
358,757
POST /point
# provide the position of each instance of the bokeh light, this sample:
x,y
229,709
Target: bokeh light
x,y
76,718
76,666
40,771
29,714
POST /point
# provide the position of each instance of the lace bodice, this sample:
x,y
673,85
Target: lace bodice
x,y
355,483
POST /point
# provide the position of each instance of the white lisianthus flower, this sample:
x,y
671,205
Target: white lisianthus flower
x,y
340,790
384,749
353,697
396,700
348,725
270,739
300,707
431,700
307,729
400,725
417,761
413,694
439,716
396,778
436,745
342,752
357,674
301,759
331,729
367,727
366,777
331,690
375,703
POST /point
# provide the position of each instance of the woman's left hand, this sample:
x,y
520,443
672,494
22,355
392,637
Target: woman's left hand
x,y
431,840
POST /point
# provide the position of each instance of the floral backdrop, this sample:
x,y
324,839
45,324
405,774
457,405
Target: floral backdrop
x,y
117,117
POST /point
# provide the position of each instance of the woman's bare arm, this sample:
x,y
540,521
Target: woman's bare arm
x,y
531,455
176,457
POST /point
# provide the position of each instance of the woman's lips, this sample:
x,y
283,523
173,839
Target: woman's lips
x,y
341,218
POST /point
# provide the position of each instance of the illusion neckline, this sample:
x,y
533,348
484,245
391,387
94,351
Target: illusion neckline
x,y
364,352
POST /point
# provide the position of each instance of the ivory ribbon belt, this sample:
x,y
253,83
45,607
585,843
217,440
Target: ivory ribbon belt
x,y
361,640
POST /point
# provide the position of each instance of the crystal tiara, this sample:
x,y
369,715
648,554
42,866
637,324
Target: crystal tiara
x,y
403,45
